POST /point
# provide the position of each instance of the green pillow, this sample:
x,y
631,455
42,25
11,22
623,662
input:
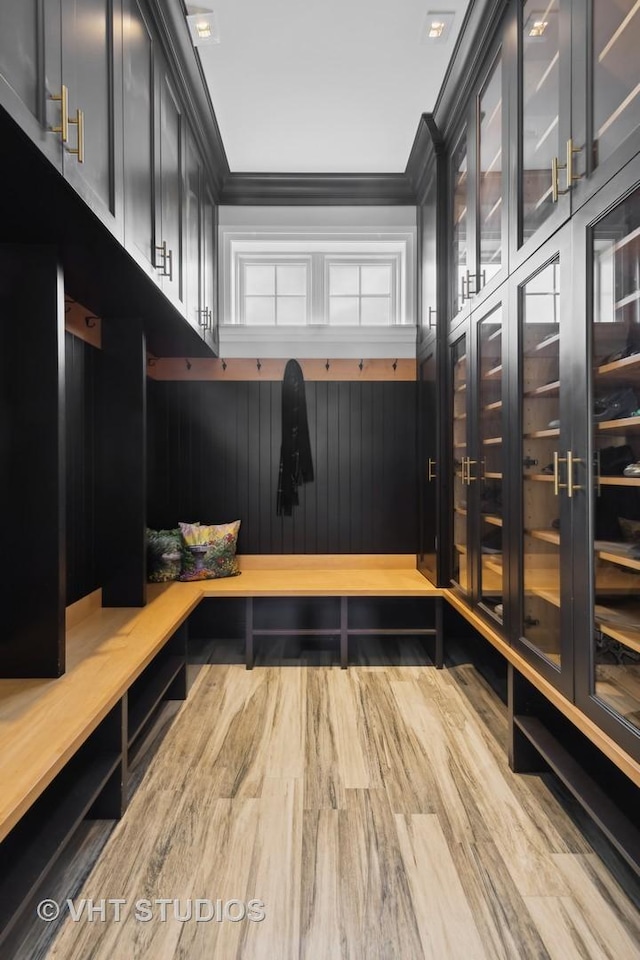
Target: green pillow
x,y
164,555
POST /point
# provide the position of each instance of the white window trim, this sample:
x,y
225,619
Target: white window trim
x,y
318,245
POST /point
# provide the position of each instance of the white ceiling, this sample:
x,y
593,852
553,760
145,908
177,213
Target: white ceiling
x,y
324,86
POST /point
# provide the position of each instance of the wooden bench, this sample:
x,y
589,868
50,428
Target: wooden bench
x,y
65,743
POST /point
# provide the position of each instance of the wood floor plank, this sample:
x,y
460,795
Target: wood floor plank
x,y
446,923
372,811
501,914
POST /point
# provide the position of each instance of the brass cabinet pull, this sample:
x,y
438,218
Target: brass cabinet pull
x,y
570,485
557,486
202,311
161,251
470,463
463,468
434,313
571,176
431,469
555,179
63,98
79,122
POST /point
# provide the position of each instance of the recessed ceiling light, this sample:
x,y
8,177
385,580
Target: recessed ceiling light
x,y
437,26
203,27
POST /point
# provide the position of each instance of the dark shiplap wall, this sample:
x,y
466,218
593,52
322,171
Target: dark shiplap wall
x,y
214,455
81,367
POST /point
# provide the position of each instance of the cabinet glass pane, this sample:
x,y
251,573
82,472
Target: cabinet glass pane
x,y
616,79
540,110
540,333
460,571
616,442
490,175
490,467
460,220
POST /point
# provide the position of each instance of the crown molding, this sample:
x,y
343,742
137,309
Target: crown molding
x,y
317,188
427,146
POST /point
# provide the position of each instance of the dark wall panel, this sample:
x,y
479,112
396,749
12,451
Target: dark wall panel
x,y
214,450
81,364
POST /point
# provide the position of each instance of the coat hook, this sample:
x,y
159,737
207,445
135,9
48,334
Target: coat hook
x,y
188,363
327,366
224,365
91,321
395,364
361,365
258,366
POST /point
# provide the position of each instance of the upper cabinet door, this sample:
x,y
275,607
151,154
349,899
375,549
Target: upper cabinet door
x,y
171,193
606,93
92,72
544,120
491,190
209,268
193,203
462,274
30,71
139,124
427,240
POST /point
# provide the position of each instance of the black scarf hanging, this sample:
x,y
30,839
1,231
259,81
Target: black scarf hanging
x,y
296,465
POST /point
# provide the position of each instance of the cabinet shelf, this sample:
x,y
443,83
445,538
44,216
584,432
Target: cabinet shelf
x,y
493,476
492,442
543,349
624,425
619,558
461,511
548,536
496,405
631,298
539,477
492,519
543,434
495,335
617,33
493,373
460,416
619,369
630,237
623,627
620,481
546,390
461,388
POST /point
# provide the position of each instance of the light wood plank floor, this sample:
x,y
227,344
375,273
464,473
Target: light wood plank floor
x,y
373,812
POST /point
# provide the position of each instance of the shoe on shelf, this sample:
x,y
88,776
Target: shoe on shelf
x,y
548,470
554,424
633,470
616,405
498,610
613,461
556,523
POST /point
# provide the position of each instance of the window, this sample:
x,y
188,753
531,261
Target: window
x,y
361,294
338,279
274,294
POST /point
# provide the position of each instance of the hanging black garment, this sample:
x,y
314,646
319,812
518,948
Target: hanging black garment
x,y
296,465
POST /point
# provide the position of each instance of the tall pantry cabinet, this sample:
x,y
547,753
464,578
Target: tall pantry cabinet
x,y
540,328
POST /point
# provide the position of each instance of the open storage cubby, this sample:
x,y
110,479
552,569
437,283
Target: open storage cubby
x,y
163,679
91,785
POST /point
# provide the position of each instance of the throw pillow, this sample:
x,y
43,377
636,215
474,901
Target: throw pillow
x,y
164,555
209,551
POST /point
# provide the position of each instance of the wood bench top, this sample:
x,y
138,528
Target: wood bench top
x,y
44,722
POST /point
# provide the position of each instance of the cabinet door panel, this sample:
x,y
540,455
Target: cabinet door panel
x,y
139,112
461,573
193,203
209,268
30,69
428,447
171,187
91,67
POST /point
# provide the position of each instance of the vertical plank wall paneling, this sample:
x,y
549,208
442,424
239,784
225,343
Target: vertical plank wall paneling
x,y
214,450
81,368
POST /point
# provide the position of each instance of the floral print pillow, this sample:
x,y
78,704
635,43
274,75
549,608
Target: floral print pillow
x,y
209,550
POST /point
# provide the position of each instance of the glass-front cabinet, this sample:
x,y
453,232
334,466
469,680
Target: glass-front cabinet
x,y
609,671
460,570
541,300
491,460
478,456
428,447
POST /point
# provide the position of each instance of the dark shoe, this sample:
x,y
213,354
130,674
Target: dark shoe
x,y
614,461
616,405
